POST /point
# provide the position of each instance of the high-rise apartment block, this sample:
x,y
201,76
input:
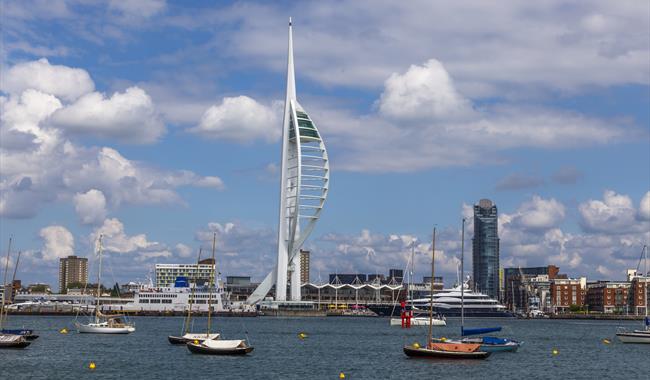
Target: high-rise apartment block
x,y
485,248
304,266
72,270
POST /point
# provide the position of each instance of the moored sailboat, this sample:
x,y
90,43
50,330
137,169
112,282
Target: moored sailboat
x,y
11,338
640,336
217,346
186,335
439,348
104,323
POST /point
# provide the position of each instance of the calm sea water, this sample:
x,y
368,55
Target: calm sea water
x,y
362,348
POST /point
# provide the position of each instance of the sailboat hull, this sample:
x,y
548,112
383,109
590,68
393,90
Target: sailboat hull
x,y
439,354
13,341
634,337
191,337
206,350
95,329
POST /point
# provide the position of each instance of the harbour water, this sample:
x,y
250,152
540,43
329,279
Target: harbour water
x,y
361,348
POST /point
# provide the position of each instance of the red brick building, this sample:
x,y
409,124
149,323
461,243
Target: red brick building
x,y
566,292
608,297
639,294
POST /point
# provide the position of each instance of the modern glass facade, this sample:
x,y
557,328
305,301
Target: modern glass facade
x,y
485,248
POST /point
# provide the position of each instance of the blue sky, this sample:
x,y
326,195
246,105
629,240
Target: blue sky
x,y
425,108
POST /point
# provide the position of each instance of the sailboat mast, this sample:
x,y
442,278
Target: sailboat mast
x,y
211,282
99,279
645,268
11,289
191,300
433,261
4,282
462,280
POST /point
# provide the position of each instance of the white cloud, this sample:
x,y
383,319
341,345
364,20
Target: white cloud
x,y
61,81
57,242
39,165
90,206
423,91
240,119
129,116
538,214
644,207
116,240
183,250
614,214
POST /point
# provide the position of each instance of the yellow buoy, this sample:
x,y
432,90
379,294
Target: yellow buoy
x,y
606,341
416,345
91,365
341,375
196,341
63,331
302,335
555,351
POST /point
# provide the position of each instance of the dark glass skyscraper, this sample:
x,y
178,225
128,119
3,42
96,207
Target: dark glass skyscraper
x,y
485,248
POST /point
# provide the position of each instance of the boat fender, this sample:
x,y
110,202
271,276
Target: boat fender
x,y
196,341
416,345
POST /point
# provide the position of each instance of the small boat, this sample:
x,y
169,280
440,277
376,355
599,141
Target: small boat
x,y
639,336
192,337
27,333
420,321
104,323
215,346
494,344
440,348
13,341
447,351
220,347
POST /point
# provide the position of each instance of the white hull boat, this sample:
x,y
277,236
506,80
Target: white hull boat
x,y
419,321
192,337
104,328
637,336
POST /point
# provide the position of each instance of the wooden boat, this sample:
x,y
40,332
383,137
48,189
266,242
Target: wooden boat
x,y
192,337
440,348
220,347
447,351
13,341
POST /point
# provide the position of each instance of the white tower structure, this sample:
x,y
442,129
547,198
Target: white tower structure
x,y
303,190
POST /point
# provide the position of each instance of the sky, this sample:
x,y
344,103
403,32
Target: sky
x,y
158,123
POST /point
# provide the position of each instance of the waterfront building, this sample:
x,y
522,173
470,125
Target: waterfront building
x,y
640,294
485,248
166,274
526,288
304,266
72,270
608,296
239,288
567,292
304,186
39,288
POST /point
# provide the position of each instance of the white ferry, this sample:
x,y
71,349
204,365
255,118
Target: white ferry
x,y
176,299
